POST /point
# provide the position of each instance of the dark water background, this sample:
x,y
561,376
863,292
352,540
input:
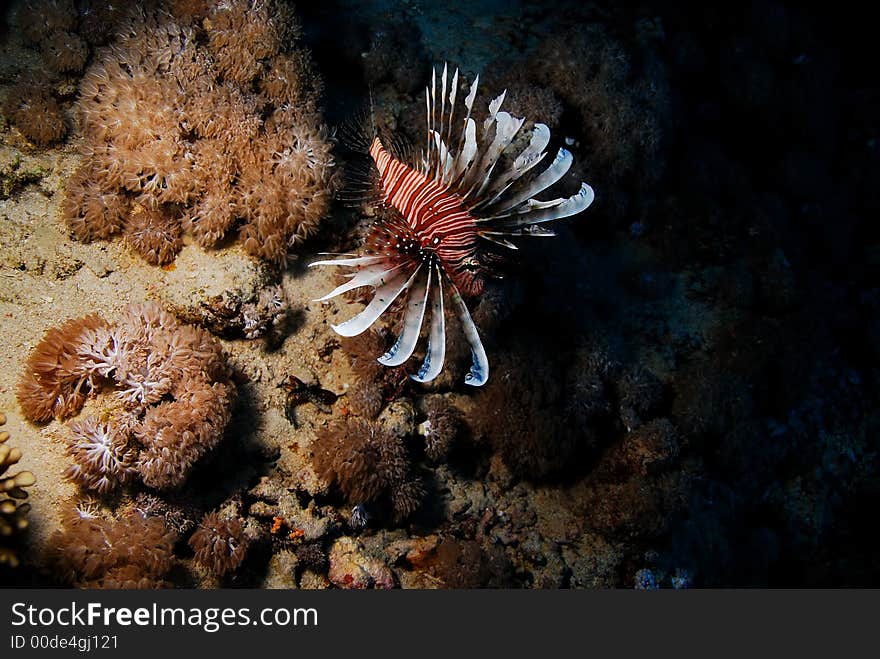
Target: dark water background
x,y
756,213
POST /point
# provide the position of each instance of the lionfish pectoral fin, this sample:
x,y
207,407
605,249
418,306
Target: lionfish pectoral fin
x,y
446,160
412,325
494,106
468,150
479,373
530,156
436,354
358,260
370,275
384,296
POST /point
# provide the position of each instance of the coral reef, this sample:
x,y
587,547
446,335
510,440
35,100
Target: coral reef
x,y
688,391
205,123
165,387
93,551
220,544
367,463
13,513
31,105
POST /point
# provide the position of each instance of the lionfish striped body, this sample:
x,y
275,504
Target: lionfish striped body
x,y
454,200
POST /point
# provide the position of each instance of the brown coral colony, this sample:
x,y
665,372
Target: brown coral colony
x,y
190,127
165,388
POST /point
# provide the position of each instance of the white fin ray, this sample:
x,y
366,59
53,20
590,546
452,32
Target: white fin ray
x,y
468,149
557,169
530,156
444,157
491,237
368,276
358,260
385,295
436,353
468,105
452,94
494,106
442,124
405,345
528,230
479,372
571,206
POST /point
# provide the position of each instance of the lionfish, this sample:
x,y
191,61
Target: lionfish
x,y
467,189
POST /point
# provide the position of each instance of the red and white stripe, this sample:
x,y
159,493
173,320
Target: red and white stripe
x,y
435,215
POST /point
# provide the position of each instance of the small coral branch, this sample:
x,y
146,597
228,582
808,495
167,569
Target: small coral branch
x,y
13,514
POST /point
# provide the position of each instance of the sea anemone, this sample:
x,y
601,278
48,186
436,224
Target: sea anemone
x,y
13,513
65,52
366,400
175,434
441,427
153,234
90,209
220,544
640,394
31,106
38,19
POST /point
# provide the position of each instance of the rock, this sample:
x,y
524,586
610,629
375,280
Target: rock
x,y
225,291
351,568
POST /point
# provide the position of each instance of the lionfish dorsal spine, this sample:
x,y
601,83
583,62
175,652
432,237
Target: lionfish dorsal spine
x,y
467,191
